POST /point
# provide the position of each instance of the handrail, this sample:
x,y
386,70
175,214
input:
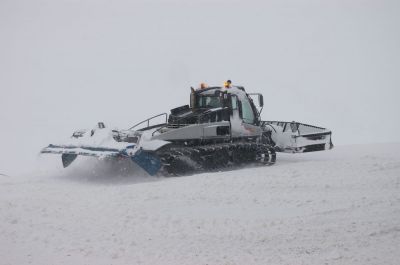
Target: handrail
x,y
211,111
198,118
148,120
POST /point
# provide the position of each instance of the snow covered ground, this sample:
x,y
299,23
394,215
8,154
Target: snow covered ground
x,y
336,207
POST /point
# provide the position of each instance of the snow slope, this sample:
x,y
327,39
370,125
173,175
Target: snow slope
x,y
336,207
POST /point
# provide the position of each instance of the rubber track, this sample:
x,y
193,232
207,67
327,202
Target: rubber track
x,y
188,159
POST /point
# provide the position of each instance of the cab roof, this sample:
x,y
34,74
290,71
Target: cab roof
x,y
210,90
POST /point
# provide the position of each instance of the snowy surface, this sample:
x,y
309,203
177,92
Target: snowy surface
x,y
335,207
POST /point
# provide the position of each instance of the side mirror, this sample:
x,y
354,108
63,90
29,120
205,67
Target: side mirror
x,y
193,100
261,100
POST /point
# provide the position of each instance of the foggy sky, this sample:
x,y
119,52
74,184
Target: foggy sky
x,y
65,65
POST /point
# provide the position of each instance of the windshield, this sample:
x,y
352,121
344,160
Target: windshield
x,y
209,102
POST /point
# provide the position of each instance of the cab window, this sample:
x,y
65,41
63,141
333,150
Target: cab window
x,y
209,102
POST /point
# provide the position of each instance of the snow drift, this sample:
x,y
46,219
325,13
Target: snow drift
x,y
336,207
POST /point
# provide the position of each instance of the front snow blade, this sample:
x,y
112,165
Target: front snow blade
x,y
80,150
148,161
70,152
67,159
145,159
